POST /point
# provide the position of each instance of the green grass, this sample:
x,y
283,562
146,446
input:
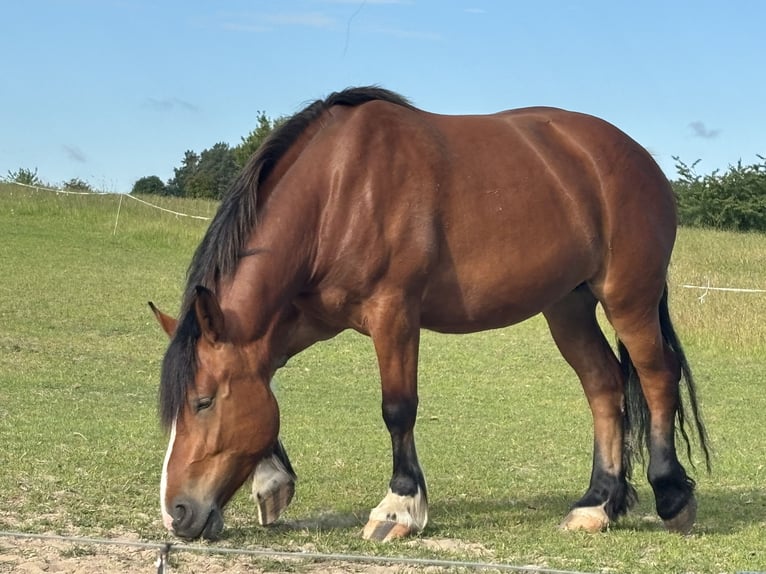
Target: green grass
x,y
503,431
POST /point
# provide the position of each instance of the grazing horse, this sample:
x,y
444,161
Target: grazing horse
x,y
363,212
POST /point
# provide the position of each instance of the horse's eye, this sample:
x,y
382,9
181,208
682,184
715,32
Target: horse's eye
x,y
203,403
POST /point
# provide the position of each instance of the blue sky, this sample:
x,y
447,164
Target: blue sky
x,y
109,91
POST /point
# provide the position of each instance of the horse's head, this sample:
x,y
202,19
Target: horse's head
x,y
223,418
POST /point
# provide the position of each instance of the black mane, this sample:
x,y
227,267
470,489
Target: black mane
x,y
179,367
219,252
221,248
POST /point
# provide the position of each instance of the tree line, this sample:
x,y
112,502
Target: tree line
x,y
210,173
734,199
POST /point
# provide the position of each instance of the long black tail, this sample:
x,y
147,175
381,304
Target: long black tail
x,y
636,410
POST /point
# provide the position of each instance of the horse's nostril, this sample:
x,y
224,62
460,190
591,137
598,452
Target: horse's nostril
x,y
182,514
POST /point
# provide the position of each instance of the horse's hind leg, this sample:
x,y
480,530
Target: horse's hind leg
x,y
395,331
572,322
637,321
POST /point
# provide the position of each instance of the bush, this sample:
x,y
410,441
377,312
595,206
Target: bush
x,y
76,184
23,176
150,185
735,200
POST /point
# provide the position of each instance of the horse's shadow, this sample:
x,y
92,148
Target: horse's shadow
x,y
721,511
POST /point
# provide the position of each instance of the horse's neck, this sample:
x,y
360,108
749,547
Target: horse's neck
x,y
267,280
279,249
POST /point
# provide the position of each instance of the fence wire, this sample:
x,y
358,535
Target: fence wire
x,y
164,549
39,188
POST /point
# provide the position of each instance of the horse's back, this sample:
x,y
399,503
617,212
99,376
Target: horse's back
x,y
490,218
520,157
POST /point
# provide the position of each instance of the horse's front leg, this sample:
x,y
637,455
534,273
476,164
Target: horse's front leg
x,y
404,510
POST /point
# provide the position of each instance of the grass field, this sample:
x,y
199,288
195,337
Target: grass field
x,y
504,433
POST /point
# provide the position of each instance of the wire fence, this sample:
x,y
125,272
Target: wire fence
x,y
164,549
109,193
708,288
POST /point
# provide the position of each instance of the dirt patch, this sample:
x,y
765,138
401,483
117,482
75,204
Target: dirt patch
x,y
453,546
35,556
32,556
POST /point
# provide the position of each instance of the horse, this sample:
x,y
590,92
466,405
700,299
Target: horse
x,y
363,212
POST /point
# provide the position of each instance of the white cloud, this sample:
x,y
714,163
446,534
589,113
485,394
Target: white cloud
x,y
239,27
407,34
309,19
265,22
363,2
167,104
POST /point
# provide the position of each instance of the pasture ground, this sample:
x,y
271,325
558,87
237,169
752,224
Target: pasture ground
x,y
504,433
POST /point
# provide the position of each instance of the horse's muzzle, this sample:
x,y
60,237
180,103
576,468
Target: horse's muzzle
x,y
192,520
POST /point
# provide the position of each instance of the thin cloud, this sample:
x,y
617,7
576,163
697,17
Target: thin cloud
x,y
169,104
369,2
308,19
475,11
239,27
700,130
408,34
267,22
74,153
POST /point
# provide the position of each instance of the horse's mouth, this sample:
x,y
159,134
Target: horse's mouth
x,y
191,528
214,525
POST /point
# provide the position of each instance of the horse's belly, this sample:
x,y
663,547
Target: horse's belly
x,y
457,322
481,305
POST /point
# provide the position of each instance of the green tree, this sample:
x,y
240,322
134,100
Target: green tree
x,y
24,176
212,174
734,200
255,138
150,185
177,184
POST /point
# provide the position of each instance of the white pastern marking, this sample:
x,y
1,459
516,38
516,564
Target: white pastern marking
x,y
412,511
589,518
273,489
167,520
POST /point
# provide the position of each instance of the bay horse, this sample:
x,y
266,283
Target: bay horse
x,y
364,212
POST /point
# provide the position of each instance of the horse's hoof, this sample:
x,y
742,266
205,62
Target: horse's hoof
x,y
683,522
383,531
273,490
272,502
397,516
589,518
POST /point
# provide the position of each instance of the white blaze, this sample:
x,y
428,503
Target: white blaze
x,y
167,520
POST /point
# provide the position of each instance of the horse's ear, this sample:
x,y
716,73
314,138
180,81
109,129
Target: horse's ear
x,y
209,315
167,322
